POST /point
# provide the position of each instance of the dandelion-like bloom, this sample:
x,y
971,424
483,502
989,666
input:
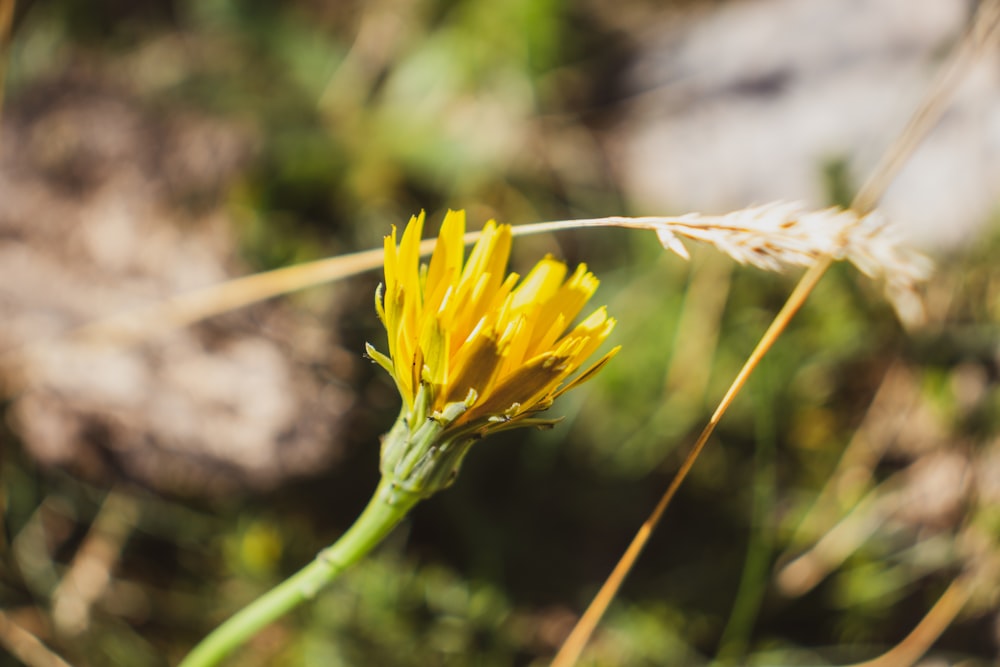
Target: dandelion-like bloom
x,y
471,349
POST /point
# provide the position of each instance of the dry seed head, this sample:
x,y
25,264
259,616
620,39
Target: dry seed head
x,y
782,234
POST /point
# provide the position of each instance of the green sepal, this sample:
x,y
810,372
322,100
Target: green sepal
x,y
380,359
420,455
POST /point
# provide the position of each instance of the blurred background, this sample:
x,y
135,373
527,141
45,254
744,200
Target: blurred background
x,y
150,490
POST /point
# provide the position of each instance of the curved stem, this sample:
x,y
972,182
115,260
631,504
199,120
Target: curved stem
x,y
930,628
574,644
385,510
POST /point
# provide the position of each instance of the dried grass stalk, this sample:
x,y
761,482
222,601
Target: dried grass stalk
x,y
773,237
782,234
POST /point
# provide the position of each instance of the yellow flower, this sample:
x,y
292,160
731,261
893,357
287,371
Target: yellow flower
x,y
472,347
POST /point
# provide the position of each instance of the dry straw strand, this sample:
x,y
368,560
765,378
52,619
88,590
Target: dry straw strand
x,y
781,234
25,646
573,647
6,19
930,627
983,33
772,237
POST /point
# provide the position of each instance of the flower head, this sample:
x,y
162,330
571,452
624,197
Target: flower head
x,y
471,346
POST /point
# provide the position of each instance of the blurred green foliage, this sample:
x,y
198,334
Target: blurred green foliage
x,y
361,114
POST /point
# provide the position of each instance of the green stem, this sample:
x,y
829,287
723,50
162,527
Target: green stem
x,y
385,510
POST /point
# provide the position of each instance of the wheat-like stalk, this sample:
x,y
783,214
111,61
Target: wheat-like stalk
x,y
984,33
782,234
773,237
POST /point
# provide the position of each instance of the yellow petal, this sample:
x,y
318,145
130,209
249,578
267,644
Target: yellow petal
x,y
475,369
458,328
446,261
540,284
409,254
524,387
390,261
434,344
589,373
566,303
489,256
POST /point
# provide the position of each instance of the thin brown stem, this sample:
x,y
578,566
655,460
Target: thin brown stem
x,y
6,20
852,477
89,575
572,648
982,33
937,620
25,646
